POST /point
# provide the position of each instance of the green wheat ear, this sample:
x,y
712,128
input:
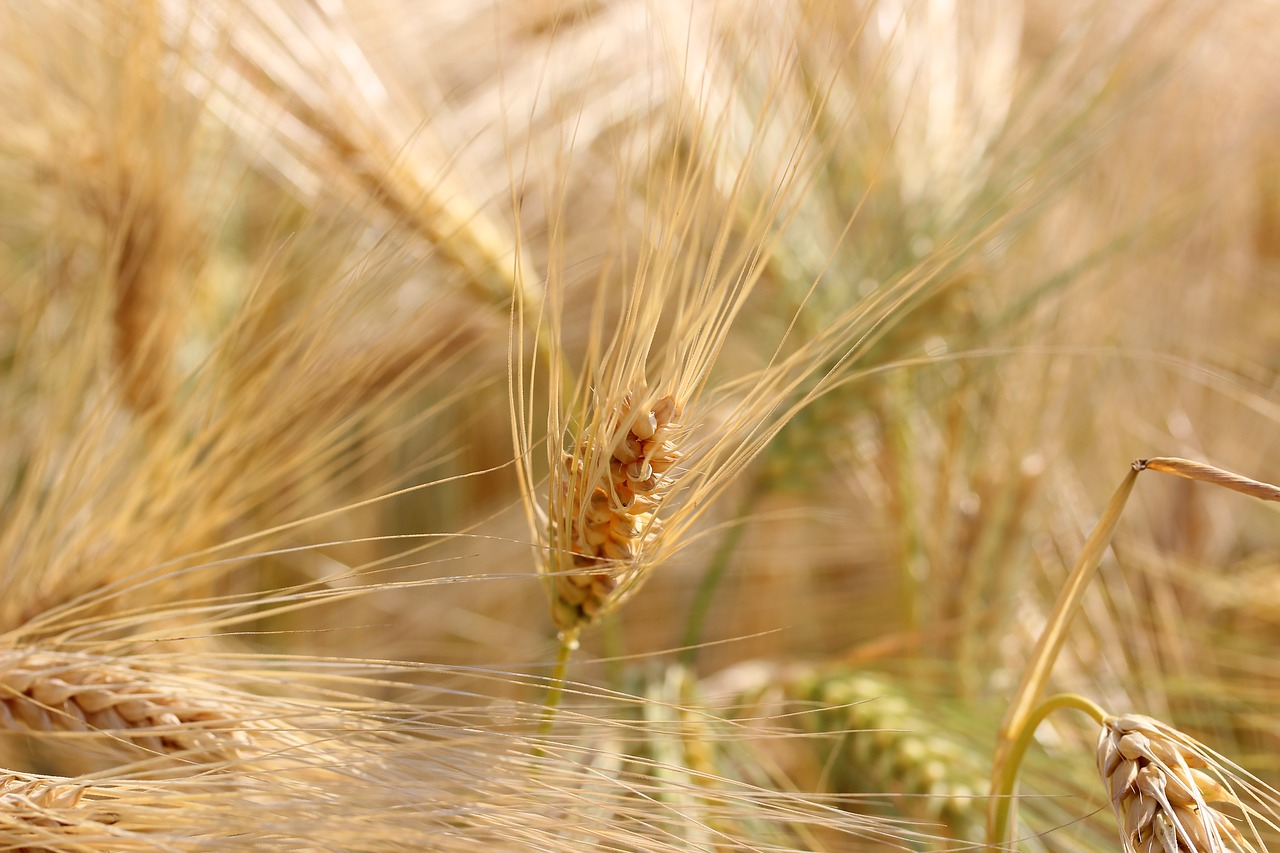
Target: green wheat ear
x,y
891,742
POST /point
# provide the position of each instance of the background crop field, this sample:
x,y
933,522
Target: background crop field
x,y
322,322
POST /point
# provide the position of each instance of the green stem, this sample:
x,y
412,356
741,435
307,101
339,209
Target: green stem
x,y
711,580
555,690
1002,797
1036,676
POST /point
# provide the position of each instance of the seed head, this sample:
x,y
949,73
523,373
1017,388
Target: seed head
x,y
1161,793
609,492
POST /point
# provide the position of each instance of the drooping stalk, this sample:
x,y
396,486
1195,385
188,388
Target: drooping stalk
x,y
1001,811
1002,785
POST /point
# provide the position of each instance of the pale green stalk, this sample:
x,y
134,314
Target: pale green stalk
x,y
1002,796
1001,811
555,688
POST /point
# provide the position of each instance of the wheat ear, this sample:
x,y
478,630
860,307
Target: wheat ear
x,y
27,789
56,692
607,515
1161,795
52,813
893,743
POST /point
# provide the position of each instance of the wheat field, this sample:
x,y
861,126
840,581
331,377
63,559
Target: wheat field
x,y
639,425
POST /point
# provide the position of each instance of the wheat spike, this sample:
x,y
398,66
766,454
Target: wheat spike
x,y
51,813
23,789
1160,792
608,512
894,744
53,692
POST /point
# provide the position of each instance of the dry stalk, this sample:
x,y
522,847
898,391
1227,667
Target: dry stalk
x,y
609,496
1162,796
1192,470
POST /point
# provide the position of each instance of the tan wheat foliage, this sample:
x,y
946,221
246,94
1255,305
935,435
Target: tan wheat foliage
x,y
683,376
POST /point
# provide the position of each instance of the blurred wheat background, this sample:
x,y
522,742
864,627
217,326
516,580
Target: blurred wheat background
x,y
320,320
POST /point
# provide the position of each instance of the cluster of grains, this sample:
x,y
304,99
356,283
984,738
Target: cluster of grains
x,y
894,745
49,813
611,519
49,692
1159,792
19,790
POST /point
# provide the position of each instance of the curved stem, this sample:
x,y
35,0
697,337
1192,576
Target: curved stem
x,y
1036,675
1002,797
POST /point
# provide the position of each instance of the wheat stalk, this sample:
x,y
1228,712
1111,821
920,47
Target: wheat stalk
x,y
1157,829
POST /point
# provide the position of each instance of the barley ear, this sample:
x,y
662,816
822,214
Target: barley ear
x,y
608,502
894,742
1158,788
54,692
52,813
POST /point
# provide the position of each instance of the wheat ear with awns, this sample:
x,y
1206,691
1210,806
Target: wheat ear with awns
x,y
1162,796
609,498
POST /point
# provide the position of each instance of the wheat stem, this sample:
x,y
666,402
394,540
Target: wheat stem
x,y
1036,675
1023,714
711,581
555,691
1002,785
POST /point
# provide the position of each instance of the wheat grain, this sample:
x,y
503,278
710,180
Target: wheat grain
x,y
1162,796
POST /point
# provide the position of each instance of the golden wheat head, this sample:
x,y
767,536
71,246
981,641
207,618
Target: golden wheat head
x,y
609,495
1162,795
